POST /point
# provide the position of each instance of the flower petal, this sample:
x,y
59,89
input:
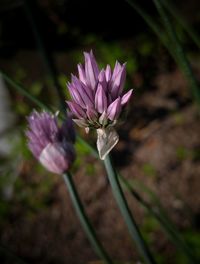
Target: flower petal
x,y
81,73
103,119
76,109
100,99
76,95
102,79
92,114
126,97
91,70
94,64
82,94
117,84
53,157
108,73
81,122
114,109
117,68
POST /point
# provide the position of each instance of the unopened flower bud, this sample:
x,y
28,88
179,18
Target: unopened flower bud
x,y
50,144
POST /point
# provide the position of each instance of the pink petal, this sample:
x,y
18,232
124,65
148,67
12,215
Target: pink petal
x,y
102,79
81,74
116,70
108,73
54,158
82,94
76,109
118,82
91,69
114,109
94,64
126,97
100,99
76,95
91,113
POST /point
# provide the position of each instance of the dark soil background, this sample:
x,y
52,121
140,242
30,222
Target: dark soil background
x,y
159,137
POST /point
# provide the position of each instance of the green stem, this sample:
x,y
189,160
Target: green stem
x,y
31,9
165,223
84,219
23,91
180,54
176,51
152,24
147,18
128,217
190,31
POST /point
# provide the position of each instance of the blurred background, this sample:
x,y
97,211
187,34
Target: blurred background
x,y
41,43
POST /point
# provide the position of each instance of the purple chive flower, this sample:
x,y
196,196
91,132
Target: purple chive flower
x,y
50,144
98,99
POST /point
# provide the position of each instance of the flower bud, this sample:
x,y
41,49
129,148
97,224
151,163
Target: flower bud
x,y
50,144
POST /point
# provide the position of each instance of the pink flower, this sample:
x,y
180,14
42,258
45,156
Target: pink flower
x,y
97,95
98,100
50,144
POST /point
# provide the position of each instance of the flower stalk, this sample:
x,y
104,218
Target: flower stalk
x,y
157,212
125,210
191,32
53,146
84,219
31,8
179,51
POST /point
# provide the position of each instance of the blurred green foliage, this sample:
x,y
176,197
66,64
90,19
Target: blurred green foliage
x,y
149,170
184,153
193,239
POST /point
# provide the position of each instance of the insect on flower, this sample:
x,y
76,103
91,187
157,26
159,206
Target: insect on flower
x,y
98,100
